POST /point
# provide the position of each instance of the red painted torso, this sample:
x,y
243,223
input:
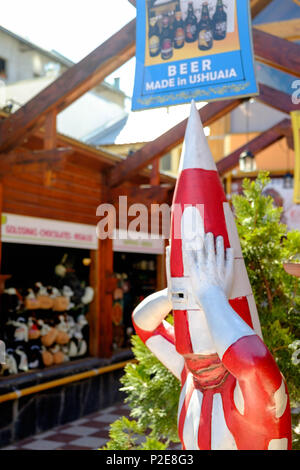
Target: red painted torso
x,y
254,429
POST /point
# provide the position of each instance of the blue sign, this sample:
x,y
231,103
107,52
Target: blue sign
x,y
192,49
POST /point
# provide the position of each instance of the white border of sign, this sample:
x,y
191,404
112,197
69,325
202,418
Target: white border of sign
x,y
36,231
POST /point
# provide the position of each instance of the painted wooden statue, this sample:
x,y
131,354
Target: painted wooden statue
x,y
233,395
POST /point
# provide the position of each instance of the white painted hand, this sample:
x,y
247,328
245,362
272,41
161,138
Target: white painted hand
x,y
208,266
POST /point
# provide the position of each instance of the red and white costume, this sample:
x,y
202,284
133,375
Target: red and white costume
x,y
233,395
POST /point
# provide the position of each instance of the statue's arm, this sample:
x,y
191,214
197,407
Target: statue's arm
x,y
150,313
236,343
157,334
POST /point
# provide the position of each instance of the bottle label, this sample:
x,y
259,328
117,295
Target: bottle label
x,y
154,44
205,37
190,31
179,36
221,27
166,46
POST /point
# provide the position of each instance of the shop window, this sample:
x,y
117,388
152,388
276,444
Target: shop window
x,y
136,279
2,67
44,306
166,162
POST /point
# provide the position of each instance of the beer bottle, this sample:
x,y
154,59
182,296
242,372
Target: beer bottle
x,y
205,30
154,36
166,39
191,25
219,22
178,29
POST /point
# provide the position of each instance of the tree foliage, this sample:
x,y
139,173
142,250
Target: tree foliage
x,y
153,392
266,245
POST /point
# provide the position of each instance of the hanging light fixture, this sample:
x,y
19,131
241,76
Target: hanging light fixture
x,y
247,158
247,161
288,181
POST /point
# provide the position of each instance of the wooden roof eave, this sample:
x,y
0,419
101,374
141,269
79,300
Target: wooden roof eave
x,y
88,157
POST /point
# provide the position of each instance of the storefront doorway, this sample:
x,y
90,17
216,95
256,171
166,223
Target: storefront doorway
x,y
136,279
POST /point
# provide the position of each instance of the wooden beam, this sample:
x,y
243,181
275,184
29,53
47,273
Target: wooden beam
x,y
276,99
69,86
289,29
256,145
276,52
163,144
258,5
50,136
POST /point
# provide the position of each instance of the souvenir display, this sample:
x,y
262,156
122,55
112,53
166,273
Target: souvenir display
x,y
45,325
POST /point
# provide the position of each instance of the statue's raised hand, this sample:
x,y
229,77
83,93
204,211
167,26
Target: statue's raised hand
x,y
207,265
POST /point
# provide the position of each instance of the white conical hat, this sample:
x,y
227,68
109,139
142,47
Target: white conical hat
x,y
196,152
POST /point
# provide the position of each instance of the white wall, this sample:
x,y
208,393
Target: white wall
x,y
260,118
21,61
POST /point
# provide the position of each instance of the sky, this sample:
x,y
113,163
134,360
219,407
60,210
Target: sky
x,y
72,27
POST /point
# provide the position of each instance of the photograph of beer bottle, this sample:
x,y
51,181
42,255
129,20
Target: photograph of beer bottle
x,y
190,25
154,36
178,27
219,22
166,39
205,30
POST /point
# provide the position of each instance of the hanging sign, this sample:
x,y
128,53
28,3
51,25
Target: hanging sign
x,y
197,49
36,231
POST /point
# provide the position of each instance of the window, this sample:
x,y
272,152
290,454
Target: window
x,y
166,162
2,67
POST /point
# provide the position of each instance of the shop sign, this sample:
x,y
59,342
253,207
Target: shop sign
x,y
126,242
197,49
36,231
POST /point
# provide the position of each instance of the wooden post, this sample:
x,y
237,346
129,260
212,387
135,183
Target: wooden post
x,y
1,208
50,141
228,185
161,281
155,176
101,307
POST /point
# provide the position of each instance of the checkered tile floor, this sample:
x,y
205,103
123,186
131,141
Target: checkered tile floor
x,y
88,433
